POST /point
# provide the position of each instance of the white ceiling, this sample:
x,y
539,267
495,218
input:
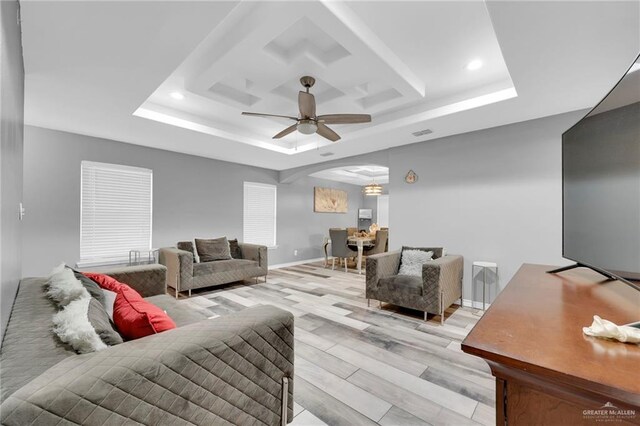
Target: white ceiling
x,y
107,68
356,175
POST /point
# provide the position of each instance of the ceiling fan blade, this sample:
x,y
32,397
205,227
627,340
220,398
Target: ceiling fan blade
x,y
285,132
326,132
344,118
258,114
307,105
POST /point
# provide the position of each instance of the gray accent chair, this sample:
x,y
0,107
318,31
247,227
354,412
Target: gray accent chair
x,y
438,288
380,246
185,275
237,369
339,247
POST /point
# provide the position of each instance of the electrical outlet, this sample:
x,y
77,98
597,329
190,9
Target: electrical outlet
x,y
295,252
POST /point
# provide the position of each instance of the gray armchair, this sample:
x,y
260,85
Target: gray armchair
x,y
437,289
339,246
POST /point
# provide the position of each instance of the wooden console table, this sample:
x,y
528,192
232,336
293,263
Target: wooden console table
x,y
547,372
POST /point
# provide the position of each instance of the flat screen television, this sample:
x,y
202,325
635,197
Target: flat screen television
x,y
601,184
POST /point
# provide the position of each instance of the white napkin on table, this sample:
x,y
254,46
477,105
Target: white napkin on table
x,y
608,330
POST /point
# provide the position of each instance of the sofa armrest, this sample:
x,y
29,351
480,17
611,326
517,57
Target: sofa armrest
x,y
148,280
380,266
179,265
256,253
228,369
442,277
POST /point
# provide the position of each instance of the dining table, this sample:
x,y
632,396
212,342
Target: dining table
x,y
360,242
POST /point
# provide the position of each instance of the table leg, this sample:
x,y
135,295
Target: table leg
x,y
360,247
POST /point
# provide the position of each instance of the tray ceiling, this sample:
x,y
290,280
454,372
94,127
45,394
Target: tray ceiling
x,y
113,69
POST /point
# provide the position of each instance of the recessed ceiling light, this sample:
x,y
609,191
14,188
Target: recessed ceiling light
x,y
177,96
474,65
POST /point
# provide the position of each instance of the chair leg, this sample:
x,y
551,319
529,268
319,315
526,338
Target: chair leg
x,y
368,303
285,401
189,292
441,308
333,264
345,265
379,304
425,316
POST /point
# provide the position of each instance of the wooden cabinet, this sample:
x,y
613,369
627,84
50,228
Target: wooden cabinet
x,y
547,371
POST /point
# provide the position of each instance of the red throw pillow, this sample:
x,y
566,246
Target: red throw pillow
x,y
134,317
105,281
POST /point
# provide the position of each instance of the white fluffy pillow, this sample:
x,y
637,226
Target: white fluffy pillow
x,y
63,287
72,326
412,261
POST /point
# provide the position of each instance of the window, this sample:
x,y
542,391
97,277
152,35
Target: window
x,y
115,212
259,214
383,211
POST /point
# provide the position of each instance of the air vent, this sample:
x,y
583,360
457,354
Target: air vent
x,y
422,132
326,154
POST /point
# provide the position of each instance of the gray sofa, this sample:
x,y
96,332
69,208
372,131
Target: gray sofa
x,y
185,275
438,288
237,369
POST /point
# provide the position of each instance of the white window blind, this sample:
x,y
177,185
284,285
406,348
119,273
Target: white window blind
x,y
116,211
259,214
383,211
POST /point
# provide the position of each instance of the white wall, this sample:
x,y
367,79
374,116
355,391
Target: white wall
x,y
493,195
11,149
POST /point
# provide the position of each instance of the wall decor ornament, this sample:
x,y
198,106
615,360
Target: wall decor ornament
x,y
411,177
330,200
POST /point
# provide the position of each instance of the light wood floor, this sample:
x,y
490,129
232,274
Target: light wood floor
x,y
357,365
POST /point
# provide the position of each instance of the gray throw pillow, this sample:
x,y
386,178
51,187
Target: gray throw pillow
x,y
214,249
412,261
94,289
234,248
100,322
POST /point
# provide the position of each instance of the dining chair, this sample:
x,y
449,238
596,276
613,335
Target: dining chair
x,y
339,247
380,246
327,243
387,246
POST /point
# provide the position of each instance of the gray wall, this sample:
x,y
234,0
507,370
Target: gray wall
x,y
11,148
493,195
193,197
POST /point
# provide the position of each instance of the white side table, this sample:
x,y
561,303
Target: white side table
x,y
135,256
484,266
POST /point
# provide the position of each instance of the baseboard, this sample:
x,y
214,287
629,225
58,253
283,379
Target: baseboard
x,y
468,303
299,262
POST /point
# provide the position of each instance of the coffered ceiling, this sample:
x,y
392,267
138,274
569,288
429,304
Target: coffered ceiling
x,y
177,75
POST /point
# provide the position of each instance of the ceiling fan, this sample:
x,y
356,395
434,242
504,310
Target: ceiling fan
x,y
309,123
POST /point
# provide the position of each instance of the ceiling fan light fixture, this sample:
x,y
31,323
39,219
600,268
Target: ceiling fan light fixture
x,y
307,127
372,189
